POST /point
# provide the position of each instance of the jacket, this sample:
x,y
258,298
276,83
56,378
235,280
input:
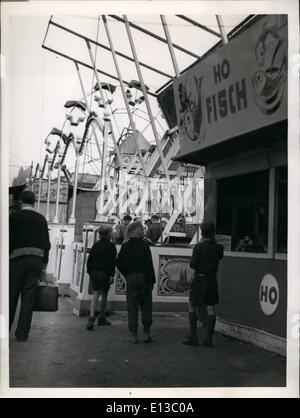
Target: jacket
x,y
135,257
154,232
28,234
206,257
102,257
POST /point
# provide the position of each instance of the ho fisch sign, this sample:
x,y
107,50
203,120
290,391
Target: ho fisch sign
x,y
240,87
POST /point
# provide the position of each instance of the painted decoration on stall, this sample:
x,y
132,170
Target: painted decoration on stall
x,y
63,196
78,266
239,87
269,295
175,275
120,281
269,82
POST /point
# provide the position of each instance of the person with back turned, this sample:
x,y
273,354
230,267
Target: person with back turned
x,y
135,263
29,247
204,287
101,266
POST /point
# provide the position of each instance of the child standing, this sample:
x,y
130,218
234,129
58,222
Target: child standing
x,y
204,287
135,264
101,265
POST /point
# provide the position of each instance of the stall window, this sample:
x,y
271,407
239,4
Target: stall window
x,y
242,212
281,206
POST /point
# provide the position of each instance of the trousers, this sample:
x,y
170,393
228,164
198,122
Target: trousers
x,y
138,295
24,273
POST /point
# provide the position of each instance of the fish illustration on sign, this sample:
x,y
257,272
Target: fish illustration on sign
x,y
190,106
269,82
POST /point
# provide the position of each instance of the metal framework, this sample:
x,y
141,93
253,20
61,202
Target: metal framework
x,y
153,35
85,38
106,129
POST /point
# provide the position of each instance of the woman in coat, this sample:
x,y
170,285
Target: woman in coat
x,y
135,263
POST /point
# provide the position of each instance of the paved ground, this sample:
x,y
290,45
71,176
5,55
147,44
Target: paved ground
x,y
61,353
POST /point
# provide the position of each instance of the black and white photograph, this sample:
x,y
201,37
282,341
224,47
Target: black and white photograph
x,y
150,200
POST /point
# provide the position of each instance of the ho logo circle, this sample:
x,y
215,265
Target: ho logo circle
x,y
269,294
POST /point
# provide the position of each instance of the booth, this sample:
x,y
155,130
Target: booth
x,y
231,112
227,112
171,265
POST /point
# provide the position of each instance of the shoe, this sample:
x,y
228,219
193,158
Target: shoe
x,y
147,337
21,339
103,321
210,330
133,339
90,324
191,340
208,343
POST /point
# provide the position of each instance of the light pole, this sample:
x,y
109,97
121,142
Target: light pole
x,y
76,147
42,171
48,189
55,219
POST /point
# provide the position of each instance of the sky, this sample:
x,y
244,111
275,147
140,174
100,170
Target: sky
x,y
40,82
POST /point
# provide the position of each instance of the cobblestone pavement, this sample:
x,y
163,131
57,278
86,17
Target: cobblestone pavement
x,y
60,353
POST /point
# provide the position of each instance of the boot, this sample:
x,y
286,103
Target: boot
x,y
202,315
133,338
103,321
211,322
21,338
90,324
192,339
147,337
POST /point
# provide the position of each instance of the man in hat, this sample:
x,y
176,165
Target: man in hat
x,y
101,266
29,247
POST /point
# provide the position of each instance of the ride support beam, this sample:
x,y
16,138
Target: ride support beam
x,y
108,120
128,110
199,25
149,67
170,45
153,35
83,64
223,34
145,94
